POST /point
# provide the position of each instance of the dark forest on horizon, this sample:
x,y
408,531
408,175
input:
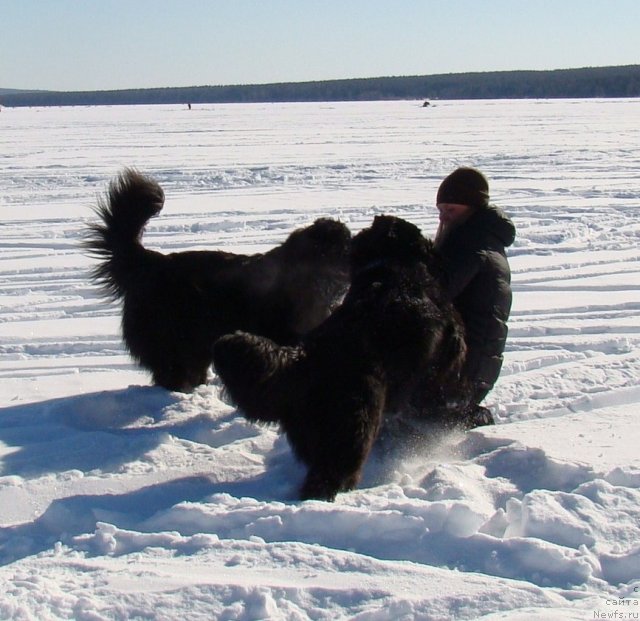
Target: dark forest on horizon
x,y
589,82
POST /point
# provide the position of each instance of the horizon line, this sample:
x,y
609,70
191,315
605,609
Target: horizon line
x,y
5,90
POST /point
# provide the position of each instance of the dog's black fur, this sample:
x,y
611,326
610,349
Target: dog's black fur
x,y
393,344
175,306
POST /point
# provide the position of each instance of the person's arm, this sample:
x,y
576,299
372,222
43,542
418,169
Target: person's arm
x,y
460,271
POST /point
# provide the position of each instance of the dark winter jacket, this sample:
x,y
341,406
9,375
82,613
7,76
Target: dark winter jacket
x,y
479,284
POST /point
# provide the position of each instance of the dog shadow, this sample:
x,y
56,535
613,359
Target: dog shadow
x,y
106,430
83,432
69,517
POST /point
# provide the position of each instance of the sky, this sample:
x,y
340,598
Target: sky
x,y
114,44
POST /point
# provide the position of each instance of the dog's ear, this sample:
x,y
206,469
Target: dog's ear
x,y
388,238
329,228
398,229
383,225
251,369
395,230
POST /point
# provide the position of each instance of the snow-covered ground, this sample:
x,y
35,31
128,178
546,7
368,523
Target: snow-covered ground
x,y
119,500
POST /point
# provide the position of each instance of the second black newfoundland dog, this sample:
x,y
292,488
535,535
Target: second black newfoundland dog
x,y
395,343
176,305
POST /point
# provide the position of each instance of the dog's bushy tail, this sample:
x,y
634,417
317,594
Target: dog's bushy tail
x,y
131,200
252,369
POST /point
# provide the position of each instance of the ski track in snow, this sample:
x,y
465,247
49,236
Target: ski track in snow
x,y
119,500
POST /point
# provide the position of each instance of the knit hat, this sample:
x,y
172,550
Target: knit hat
x,y
464,186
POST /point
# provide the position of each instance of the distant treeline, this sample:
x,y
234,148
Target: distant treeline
x,y
623,81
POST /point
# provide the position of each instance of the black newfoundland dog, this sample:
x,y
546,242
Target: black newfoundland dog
x,y
395,344
175,306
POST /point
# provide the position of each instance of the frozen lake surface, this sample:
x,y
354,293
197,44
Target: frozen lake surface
x,y
119,500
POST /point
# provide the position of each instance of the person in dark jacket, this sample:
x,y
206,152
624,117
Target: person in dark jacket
x,y
471,239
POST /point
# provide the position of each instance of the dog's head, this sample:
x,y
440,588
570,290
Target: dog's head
x,y
326,242
389,238
314,270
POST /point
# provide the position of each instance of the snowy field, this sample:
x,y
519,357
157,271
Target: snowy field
x,y
123,501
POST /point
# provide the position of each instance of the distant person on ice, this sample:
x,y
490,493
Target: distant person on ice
x,y
471,238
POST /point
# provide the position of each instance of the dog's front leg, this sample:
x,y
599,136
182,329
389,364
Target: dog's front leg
x,y
322,484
